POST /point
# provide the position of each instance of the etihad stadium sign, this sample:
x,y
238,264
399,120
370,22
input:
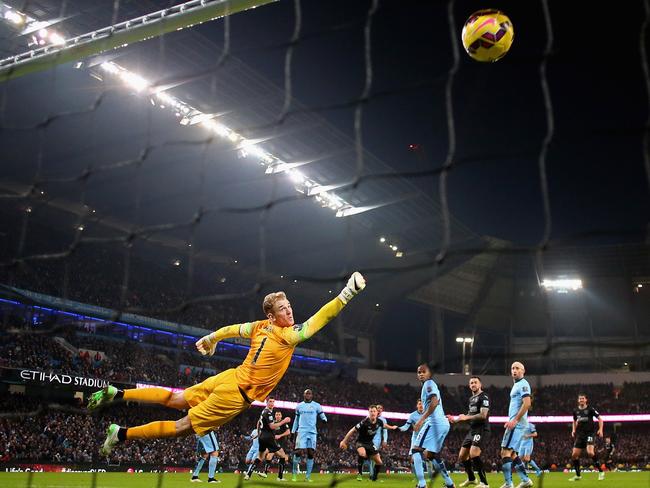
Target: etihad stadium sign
x,y
31,375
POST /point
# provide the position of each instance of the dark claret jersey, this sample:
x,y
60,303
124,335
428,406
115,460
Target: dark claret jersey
x,y
584,418
265,421
367,430
281,430
476,403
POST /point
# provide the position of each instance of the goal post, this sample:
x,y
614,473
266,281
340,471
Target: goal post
x,y
114,36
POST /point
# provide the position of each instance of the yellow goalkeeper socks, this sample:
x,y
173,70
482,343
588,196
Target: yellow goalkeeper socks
x,y
148,395
154,430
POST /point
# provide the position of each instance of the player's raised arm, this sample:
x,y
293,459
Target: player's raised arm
x,y
331,309
206,345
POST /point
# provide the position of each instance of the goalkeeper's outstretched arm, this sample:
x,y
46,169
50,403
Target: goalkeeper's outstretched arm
x,y
331,309
206,345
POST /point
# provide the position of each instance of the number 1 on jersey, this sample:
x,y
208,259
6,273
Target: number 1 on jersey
x,y
257,354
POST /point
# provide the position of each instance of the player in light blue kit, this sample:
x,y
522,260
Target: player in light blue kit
x,y
207,445
526,448
520,403
432,428
409,424
255,446
307,414
380,441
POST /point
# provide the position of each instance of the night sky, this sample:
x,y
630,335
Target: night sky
x,y
598,186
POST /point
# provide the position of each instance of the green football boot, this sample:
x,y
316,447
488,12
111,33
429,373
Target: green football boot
x,y
102,397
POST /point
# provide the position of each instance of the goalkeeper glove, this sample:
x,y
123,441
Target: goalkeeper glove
x,y
206,345
355,284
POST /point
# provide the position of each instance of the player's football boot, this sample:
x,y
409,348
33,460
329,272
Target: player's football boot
x,y
246,477
468,483
506,485
102,397
111,440
196,479
282,480
359,478
482,485
294,477
601,476
525,484
213,480
262,474
575,478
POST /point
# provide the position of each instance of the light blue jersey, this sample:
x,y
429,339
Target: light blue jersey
x,y
255,445
381,435
436,426
307,414
512,438
410,422
520,390
429,390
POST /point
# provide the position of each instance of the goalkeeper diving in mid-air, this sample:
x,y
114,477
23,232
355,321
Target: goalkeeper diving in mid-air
x,y
220,398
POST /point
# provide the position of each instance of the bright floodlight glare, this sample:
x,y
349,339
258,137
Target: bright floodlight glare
x,y
562,285
57,39
134,80
14,17
109,68
459,339
467,340
296,176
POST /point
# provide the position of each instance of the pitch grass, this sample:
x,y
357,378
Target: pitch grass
x,y
178,480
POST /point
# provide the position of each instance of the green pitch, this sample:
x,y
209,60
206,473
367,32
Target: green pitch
x,y
176,480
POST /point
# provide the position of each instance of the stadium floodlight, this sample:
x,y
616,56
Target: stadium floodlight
x,y
14,17
562,285
110,68
296,176
135,81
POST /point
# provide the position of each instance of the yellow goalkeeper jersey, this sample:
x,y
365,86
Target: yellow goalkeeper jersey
x,y
272,348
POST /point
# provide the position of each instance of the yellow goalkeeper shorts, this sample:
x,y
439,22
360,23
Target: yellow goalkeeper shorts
x,y
215,402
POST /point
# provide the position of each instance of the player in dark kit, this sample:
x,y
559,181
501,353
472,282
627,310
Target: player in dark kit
x,y
477,437
281,434
266,426
584,432
367,429
610,447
